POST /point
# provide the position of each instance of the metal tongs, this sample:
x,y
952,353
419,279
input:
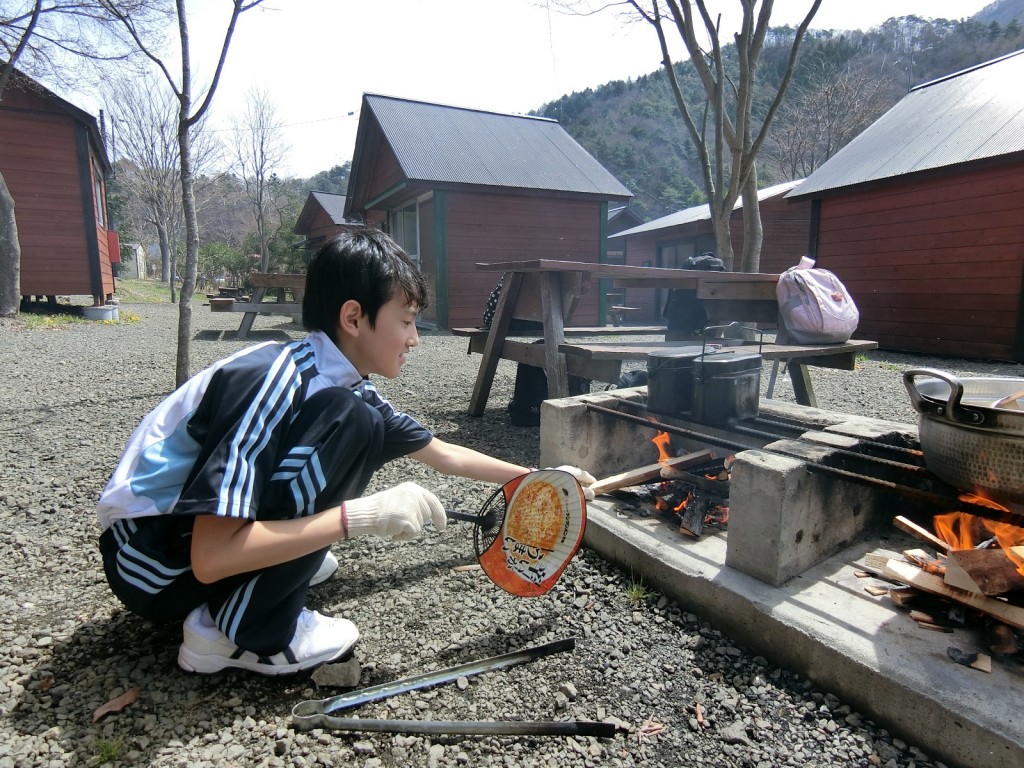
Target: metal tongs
x,y
307,715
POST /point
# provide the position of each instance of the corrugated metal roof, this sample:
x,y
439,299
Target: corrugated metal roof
x,y
444,144
703,212
333,205
967,116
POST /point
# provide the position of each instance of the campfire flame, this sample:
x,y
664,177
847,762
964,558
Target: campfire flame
x,y
716,515
962,530
662,440
682,504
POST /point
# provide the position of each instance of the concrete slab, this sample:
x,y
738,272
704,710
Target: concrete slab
x,y
823,625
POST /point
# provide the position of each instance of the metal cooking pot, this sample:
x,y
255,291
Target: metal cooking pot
x,y
966,440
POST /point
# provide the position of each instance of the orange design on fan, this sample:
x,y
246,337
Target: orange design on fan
x,y
543,527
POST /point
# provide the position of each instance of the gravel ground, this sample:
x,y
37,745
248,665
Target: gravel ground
x,y
69,400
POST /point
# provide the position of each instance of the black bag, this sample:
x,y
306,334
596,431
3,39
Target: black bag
x,y
515,325
707,261
531,390
684,312
492,303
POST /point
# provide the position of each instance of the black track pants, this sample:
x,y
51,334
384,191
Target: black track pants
x,y
329,455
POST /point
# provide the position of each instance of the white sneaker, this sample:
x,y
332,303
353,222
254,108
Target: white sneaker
x,y
326,569
318,639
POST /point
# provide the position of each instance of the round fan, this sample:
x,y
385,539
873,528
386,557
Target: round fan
x,y
528,531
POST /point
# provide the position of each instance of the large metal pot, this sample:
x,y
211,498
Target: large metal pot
x,y
966,440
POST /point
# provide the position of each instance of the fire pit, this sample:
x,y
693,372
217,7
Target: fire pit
x,y
833,483
804,483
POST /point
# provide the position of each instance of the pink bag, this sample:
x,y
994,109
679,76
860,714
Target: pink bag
x,y
815,306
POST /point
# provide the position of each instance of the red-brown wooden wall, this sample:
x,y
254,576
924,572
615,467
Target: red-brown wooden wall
x,y
934,264
487,225
386,172
484,227
786,228
41,161
323,226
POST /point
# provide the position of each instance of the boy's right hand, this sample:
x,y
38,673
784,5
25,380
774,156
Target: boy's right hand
x,y
399,512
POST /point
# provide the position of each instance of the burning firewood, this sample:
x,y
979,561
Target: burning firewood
x,y
649,472
925,561
988,571
691,518
1001,639
928,582
908,526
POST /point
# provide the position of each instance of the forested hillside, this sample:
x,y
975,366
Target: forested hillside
x,y
844,81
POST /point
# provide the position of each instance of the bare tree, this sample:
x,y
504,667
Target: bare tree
x,y
42,36
224,214
188,117
66,42
145,120
144,116
824,115
259,148
728,148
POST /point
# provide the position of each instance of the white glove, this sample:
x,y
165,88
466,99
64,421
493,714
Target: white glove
x,y
399,512
584,478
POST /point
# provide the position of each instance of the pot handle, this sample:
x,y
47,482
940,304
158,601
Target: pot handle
x,y
730,326
951,409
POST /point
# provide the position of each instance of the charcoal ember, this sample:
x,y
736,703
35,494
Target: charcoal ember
x,y
961,657
691,517
718,514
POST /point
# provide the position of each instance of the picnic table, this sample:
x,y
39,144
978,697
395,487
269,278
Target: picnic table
x,y
548,290
262,283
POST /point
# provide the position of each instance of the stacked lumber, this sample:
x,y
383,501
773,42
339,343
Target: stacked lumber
x,y
944,589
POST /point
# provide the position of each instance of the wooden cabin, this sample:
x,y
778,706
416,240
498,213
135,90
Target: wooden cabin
x,y
53,158
620,218
671,240
921,217
458,186
321,218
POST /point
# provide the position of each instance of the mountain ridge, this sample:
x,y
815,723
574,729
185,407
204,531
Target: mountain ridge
x,y
633,126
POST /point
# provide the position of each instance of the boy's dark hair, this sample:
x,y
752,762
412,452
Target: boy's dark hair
x,y
361,264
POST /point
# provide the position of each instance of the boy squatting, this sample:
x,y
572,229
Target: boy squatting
x,y
225,502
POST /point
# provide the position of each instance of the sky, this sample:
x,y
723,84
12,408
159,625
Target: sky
x,y
315,59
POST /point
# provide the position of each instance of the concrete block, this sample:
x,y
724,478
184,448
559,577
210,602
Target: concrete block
x,y
602,446
878,430
784,519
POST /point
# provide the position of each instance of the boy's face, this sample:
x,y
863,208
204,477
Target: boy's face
x,y
382,349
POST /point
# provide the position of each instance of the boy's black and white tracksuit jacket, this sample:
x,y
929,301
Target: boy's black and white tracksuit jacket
x,y
214,446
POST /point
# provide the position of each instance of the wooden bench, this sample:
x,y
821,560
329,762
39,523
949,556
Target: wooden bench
x,y
618,313
259,308
602,361
579,330
522,350
262,282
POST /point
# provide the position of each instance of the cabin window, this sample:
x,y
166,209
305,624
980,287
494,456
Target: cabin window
x,y
675,255
404,225
97,194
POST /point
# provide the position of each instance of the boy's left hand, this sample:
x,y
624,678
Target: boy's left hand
x,y
584,478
